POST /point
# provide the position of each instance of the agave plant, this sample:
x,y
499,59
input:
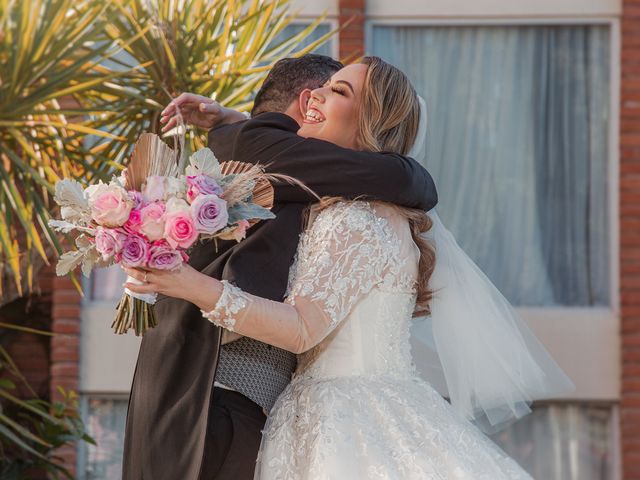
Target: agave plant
x,y
51,54
217,48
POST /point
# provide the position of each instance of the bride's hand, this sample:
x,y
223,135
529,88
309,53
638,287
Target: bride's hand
x,y
184,282
197,110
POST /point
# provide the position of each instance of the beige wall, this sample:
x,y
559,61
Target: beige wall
x,y
315,8
493,8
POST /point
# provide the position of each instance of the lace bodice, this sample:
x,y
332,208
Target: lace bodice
x,y
351,295
360,261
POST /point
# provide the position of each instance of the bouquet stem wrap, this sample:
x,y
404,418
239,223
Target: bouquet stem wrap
x,y
149,298
135,311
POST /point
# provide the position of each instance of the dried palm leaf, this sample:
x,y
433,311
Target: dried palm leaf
x,y
250,180
150,156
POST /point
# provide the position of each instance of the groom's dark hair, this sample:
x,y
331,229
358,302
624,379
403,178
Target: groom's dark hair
x,y
288,77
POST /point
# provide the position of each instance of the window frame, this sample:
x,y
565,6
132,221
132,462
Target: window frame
x,y
330,21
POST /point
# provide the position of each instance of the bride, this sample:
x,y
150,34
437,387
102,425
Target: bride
x,y
356,408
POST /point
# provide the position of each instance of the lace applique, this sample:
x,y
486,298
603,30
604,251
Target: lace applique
x,y
231,302
347,252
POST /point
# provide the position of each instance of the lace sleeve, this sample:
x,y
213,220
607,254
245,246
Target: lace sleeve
x,y
341,258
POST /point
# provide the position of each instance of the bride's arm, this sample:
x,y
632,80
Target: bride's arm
x,y
294,328
341,261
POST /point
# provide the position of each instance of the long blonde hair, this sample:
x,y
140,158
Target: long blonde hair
x,y
388,119
389,111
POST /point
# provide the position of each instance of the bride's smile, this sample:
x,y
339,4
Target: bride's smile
x,y
332,111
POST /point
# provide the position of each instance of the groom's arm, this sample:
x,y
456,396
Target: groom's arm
x,y
329,170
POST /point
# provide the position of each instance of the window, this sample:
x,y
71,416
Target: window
x,y
105,418
295,28
518,146
564,442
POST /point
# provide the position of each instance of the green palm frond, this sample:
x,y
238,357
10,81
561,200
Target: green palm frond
x,y
50,56
217,48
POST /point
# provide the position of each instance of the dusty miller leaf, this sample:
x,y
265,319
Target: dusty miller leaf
x,y
68,261
66,227
248,211
91,257
70,196
204,162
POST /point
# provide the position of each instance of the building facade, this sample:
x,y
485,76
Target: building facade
x,y
534,143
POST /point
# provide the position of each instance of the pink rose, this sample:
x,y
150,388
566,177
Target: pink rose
x,y
135,251
154,188
152,221
109,243
210,213
179,229
201,185
132,225
163,257
110,204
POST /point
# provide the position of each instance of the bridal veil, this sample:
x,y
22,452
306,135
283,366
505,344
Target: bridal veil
x,y
474,347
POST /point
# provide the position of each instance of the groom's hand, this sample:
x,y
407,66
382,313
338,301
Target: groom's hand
x,y
197,110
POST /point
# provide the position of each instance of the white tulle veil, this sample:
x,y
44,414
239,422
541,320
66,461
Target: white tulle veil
x,y
474,348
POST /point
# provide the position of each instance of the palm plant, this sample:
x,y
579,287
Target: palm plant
x,y
50,56
217,48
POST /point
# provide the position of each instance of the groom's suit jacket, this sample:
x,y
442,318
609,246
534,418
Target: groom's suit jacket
x,y
168,433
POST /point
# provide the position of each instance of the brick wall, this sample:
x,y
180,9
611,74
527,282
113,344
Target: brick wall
x,y
65,349
630,238
352,36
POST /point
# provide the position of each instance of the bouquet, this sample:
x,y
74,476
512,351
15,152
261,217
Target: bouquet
x,y
151,215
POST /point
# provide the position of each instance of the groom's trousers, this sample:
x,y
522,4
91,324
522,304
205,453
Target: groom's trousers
x,y
236,426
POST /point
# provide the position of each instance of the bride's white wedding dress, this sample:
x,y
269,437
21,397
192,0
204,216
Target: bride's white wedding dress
x,y
356,408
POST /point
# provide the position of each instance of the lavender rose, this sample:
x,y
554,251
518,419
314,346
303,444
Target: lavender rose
x,y
136,198
163,257
135,251
201,185
210,214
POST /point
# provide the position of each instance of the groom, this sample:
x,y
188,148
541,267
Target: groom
x,y
197,406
